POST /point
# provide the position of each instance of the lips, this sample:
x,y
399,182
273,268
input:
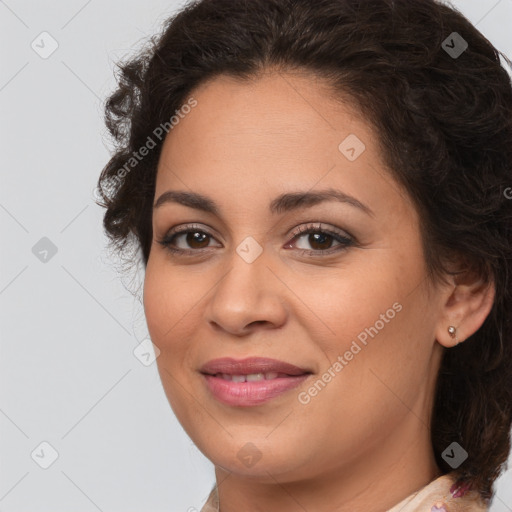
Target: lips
x,y
251,366
252,381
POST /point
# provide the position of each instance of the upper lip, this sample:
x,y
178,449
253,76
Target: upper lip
x,y
250,365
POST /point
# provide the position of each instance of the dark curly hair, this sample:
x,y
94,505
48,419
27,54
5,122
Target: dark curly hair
x,y
444,121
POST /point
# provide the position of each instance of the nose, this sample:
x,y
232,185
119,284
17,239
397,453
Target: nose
x,y
247,297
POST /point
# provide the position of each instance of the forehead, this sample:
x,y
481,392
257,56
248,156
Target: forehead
x,y
273,131
274,117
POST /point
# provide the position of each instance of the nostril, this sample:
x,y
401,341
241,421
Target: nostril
x,y
257,322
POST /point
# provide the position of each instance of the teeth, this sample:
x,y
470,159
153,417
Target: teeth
x,y
252,377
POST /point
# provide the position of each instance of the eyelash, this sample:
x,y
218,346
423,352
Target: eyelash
x,y
343,239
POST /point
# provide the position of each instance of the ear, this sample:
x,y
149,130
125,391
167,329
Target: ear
x,y
467,304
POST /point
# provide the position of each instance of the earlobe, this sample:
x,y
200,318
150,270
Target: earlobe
x,y
452,331
450,338
465,310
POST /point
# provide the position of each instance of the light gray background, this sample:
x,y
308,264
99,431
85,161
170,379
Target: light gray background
x,y
69,326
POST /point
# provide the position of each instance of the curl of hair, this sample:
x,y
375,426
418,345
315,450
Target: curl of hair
x,y
445,131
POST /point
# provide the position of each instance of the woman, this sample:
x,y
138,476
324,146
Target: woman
x,y
319,194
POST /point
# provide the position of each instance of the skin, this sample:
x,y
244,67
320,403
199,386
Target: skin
x,y
363,442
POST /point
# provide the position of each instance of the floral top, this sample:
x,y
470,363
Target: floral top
x,y
440,495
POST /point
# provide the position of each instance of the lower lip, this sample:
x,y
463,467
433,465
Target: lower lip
x,y
249,394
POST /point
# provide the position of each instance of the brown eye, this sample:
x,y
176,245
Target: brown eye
x,y
191,241
196,239
314,240
186,241
320,241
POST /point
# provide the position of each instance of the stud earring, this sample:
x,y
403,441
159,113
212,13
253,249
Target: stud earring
x,y
452,331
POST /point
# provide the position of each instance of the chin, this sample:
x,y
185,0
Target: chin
x,y
259,459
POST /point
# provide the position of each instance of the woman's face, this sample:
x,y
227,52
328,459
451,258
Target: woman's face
x,y
301,249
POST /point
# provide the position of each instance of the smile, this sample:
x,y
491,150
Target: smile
x,y
252,381
252,377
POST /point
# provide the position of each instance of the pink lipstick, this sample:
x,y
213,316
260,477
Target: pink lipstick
x,y
251,381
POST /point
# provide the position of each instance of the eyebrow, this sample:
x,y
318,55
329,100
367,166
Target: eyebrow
x,y
283,203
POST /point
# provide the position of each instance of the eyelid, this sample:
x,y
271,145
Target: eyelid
x,y
344,238
305,228
183,228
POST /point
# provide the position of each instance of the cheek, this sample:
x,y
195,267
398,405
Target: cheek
x,y
379,321
375,385
158,301
173,301
386,361
168,307
340,305
165,310
168,301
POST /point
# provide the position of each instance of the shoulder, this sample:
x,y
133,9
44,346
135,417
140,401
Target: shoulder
x,y
442,495
212,503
